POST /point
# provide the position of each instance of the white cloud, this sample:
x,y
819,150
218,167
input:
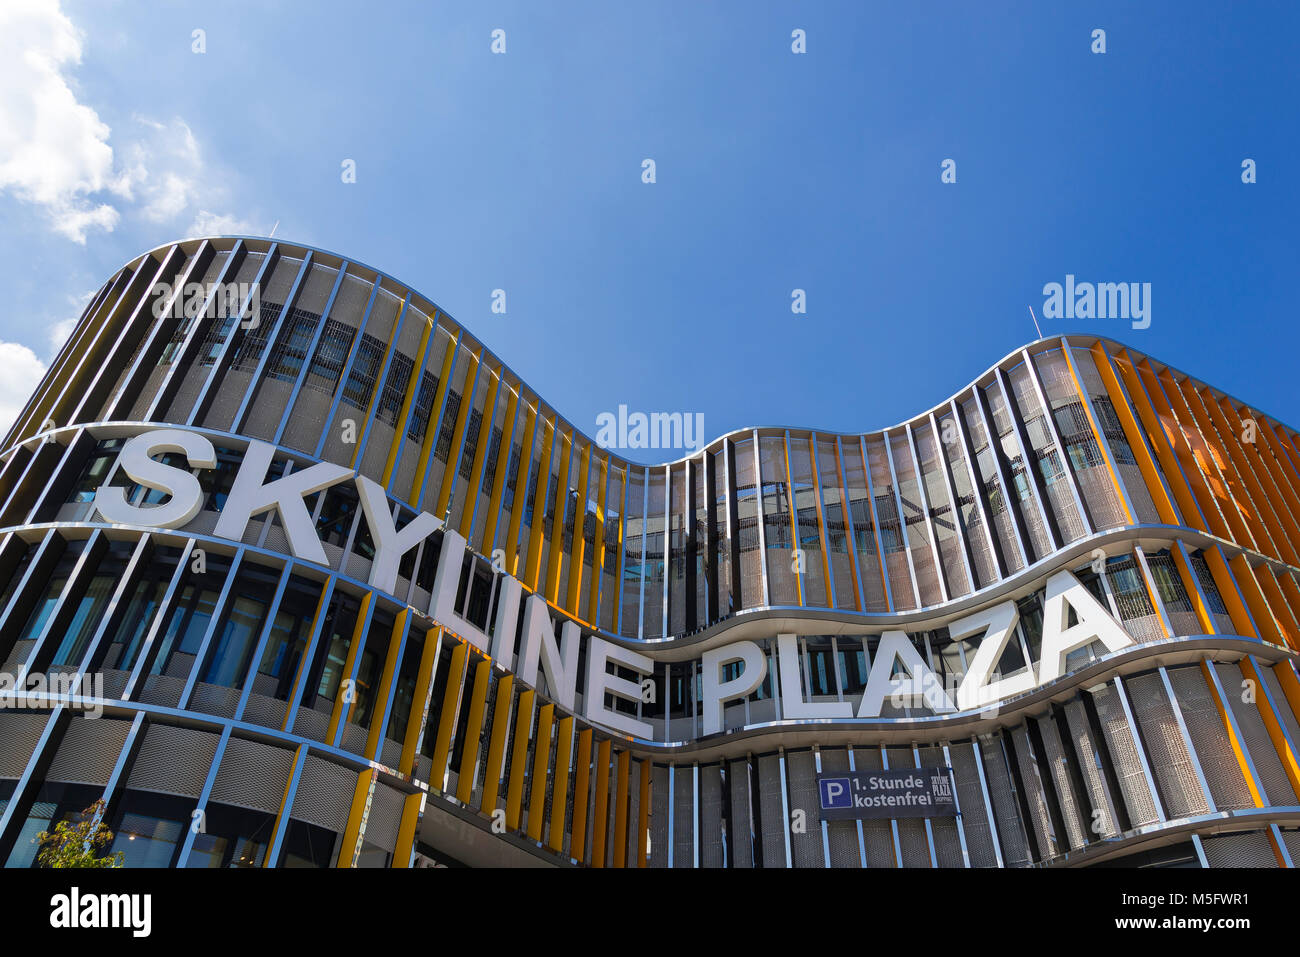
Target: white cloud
x,y
23,371
164,168
55,151
210,224
23,368
62,330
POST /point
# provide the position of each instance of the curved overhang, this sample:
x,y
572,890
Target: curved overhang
x,y
430,307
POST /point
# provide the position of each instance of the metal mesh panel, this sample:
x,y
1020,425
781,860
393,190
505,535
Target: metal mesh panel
x,y
855,481
1086,750
914,525
659,816
1281,708
385,818
841,836
1291,838
218,331
740,833
633,812
974,814
877,833
360,386
311,723
252,775
1047,457
947,844
149,322
350,303
390,753
163,689
612,817
1169,585
88,751
711,851
508,748
777,532
807,526
311,410
1094,480
942,517
1180,790
748,516
890,526
394,391
548,800
324,794
264,412
1248,849
1210,739
289,351
1035,794
215,699
114,680
485,737
1133,600
383,315
1021,484
18,656
683,798
173,760
316,286
774,821
912,840
1124,754
250,342
1269,772
977,535
329,359
806,848
995,501
1074,807
578,799
175,329
1006,810
837,540
529,751
1218,611
264,710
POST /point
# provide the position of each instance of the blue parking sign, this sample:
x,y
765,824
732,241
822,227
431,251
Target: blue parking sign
x,y
835,793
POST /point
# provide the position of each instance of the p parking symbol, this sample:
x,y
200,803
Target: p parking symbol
x,y
835,793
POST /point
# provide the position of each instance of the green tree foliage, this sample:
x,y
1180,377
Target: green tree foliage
x,y
80,844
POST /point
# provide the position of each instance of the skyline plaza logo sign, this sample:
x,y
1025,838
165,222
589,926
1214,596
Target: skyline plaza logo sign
x,y
552,645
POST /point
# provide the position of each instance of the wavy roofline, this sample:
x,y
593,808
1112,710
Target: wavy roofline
x,y
1074,338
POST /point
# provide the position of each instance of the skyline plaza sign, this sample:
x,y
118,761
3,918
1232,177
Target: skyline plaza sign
x,y
897,671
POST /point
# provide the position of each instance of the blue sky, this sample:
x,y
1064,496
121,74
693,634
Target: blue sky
x,y
775,171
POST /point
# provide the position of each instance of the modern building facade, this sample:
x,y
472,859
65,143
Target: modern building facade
x,y
319,581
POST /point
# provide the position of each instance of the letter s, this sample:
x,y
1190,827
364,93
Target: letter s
x,y
136,460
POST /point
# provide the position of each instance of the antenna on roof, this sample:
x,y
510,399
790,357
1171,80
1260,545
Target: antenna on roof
x,y
273,229
1035,318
